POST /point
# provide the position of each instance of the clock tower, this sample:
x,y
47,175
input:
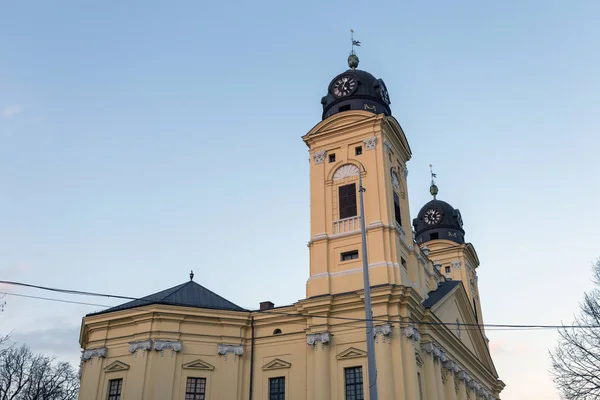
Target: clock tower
x,y
359,135
439,228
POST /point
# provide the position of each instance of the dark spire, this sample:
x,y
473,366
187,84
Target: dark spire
x,y
433,189
191,275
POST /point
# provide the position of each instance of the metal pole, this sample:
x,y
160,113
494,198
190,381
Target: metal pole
x,y
373,394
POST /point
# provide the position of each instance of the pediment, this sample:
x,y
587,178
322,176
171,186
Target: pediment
x,y
276,364
116,366
351,352
456,305
199,364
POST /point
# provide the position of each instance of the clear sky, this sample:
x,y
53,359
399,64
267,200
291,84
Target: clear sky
x,y
142,139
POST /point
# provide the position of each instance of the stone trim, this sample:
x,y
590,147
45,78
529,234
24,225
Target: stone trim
x,y
91,353
143,345
224,349
370,143
412,333
312,339
319,157
161,345
385,331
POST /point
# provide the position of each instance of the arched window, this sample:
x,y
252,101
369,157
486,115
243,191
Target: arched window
x,y
277,331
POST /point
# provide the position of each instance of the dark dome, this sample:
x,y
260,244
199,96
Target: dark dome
x,y
364,92
438,220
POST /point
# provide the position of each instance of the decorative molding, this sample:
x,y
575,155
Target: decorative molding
x,y
464,376
116,366
276,364
412,333
395,180
456,264
405,171
425,250
199,365
224,349
385,331
312,339
387,146
370,143
162,345
351,352
400,231
436,352
451,366
345,171
143,345
91,353
319,157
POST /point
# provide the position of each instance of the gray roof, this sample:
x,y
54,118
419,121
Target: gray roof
x,y
189,294
442,291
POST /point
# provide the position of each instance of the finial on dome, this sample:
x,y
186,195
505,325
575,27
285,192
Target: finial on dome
x,y
433,189
353,58
191,275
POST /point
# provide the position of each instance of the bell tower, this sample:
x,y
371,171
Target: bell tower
x,y
439,228
359,135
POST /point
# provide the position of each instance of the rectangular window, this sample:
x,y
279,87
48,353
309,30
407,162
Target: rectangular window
x,y
349,255
354,383
447,269
434,236
358,150
195,389
114,389
403,262
347,194
277,388
332,158
397,209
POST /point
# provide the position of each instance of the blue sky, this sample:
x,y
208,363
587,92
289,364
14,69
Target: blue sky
x,y
142,139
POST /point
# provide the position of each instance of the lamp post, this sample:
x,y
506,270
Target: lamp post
x,y
373,394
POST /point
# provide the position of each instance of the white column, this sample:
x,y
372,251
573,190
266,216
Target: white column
x,y
320,343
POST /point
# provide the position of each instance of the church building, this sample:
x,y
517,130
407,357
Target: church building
x,y
188,343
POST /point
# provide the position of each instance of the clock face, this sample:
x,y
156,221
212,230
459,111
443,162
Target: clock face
x,y
383,92
459,218
344,86
432,216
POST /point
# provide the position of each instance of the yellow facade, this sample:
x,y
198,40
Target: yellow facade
x,y
427,345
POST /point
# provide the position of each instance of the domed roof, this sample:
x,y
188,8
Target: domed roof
x,y
355,89
438,220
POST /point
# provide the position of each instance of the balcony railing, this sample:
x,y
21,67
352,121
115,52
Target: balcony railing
x,y
346,225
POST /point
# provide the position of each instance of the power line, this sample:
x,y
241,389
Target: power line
x,y
51,299
406,323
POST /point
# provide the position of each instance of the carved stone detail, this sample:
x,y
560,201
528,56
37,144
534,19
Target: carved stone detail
x,y
456,264
464,376
425,250
370,143
312,339
319,157
405,171
143,345
224,349
346,171
91,353
436,352
385,331
387,146
162,345
412,333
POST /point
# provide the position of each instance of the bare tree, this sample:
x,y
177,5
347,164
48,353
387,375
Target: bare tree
x,y
28,376
576,359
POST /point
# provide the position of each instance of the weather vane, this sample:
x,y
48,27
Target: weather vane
x,y
433,189
354,42
353,58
